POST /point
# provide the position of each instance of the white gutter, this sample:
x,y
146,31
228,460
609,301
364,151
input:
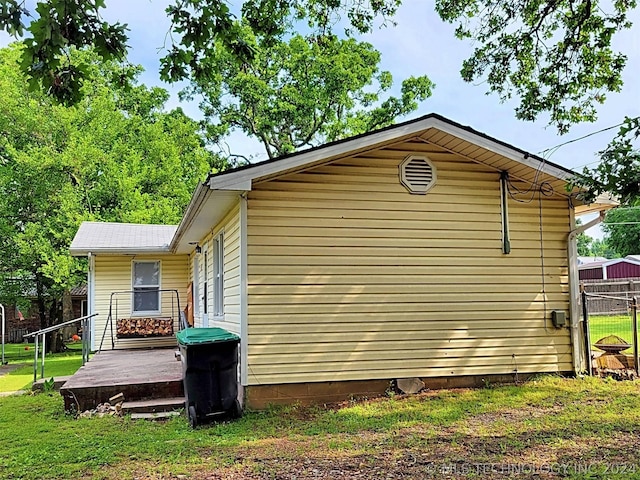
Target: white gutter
x,y
577,338
121,250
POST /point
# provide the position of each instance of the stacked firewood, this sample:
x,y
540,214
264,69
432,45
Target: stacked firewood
x,y
144,327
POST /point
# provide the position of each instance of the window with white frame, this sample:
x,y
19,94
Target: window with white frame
x,y
218,276
146,287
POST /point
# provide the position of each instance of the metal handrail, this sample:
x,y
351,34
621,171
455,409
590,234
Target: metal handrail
x,y
86,341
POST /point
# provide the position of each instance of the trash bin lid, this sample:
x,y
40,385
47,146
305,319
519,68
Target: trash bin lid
x,y
198,336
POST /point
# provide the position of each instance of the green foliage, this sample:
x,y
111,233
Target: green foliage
x,y
557,57
622,228
54,27
584,242
57,26
601,248
48,385
301,92
56,365
114,156
584,245
593,247
619,167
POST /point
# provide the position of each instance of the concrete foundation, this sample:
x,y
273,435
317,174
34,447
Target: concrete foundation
x,y
260,396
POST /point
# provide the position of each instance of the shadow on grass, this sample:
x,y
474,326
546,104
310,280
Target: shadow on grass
x,y
40,441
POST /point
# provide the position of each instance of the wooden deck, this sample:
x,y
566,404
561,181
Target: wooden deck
x,y
138,374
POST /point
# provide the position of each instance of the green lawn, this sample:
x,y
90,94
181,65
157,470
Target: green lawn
x,y
58,364
561,428
604,325
18,352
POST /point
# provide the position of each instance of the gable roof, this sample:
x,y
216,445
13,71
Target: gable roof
x,y
429,128
607,263
109,237
590,265
220,192
584,260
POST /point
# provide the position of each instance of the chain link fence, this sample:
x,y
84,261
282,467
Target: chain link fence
x,y
610,312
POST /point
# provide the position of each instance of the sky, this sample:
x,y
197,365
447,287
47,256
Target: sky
x,y
420,43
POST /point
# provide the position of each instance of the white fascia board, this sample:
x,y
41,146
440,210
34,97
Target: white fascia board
x,y
244,177
212,208
589,266
602,203
82,252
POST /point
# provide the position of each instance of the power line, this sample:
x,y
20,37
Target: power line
x,y
555,148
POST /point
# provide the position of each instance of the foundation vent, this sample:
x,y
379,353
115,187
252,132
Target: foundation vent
x,y
417,174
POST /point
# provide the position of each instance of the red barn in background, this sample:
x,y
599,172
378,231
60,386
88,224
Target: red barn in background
x,y
628,267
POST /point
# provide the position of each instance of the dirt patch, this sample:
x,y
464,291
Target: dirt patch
x,y
535,441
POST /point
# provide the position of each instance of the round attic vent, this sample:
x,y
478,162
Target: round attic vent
x,y
417,174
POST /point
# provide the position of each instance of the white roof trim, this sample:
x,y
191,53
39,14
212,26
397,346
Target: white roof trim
x,y
620,260
241,179
120,250
604,264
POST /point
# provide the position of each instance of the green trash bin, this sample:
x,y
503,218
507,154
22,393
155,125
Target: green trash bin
x,y
210,373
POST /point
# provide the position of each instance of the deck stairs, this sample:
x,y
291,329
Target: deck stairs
x,y
150,382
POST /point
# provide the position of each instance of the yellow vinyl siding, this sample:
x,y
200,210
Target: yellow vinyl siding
x,y
350,277
230,228
113,274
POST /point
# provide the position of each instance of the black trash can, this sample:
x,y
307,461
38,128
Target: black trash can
x,y
210,373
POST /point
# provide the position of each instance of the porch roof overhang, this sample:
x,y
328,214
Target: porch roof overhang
x,y
206,209
601,203
121,238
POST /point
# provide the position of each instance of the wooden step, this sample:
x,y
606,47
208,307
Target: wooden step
x,y
155,405
154,416
137,374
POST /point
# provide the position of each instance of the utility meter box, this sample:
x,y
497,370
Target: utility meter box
x,y
559,318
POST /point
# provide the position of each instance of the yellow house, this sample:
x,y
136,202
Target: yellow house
x,y
426,249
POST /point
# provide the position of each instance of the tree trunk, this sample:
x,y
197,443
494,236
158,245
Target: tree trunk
x,y
56,339
42,308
